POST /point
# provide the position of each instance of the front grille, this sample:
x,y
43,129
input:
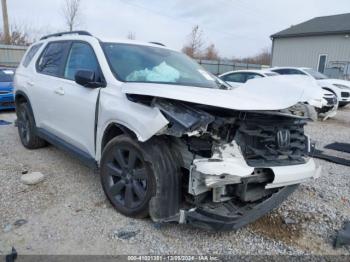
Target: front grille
x,y
261,147
4,92
345,94
331,101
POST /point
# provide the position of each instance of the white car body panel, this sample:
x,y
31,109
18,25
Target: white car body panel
x,y
330,83
326,83
294,174
313,94
144,121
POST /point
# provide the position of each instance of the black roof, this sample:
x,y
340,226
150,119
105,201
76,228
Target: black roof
x,y
323,25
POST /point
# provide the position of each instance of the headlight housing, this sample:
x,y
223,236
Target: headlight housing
x,y
342,86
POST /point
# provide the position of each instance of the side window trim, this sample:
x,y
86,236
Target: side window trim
x,y
61,69
98,62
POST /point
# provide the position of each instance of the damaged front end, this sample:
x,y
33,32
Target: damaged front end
x,y
236,165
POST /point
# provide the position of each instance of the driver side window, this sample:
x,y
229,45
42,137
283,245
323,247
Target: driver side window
x,y
81,57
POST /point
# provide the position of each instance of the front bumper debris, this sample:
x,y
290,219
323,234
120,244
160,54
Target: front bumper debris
x,y
227,216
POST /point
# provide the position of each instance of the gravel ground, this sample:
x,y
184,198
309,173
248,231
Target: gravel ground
x,y
68,213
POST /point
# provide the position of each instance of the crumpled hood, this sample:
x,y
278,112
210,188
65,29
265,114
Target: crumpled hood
x,y
270,93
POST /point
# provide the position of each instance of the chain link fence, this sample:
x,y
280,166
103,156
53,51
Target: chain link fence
x,y
218,67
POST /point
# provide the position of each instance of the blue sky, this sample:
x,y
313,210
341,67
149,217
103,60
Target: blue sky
x,y
238,28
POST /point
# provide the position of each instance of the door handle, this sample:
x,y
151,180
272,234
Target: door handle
x,y
30,83
59,91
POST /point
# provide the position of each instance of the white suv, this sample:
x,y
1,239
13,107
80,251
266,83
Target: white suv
x,y
170,139
341,88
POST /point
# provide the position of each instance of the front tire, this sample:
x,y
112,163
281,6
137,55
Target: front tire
x,y
127,179
27,129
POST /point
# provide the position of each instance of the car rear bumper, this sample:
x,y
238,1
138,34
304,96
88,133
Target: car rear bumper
x,y
7,101
219,219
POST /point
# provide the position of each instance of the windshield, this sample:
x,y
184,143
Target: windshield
x,y
146,64
6,75
315,74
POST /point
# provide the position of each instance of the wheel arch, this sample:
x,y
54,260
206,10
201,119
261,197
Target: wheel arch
x,y
21,97
112,130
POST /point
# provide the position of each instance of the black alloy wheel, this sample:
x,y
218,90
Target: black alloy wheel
x,y
126,178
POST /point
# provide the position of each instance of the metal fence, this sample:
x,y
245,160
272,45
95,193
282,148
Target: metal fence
x,y
11,55
218,67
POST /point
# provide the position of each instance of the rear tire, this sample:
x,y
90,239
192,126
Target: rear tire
x,y
27,129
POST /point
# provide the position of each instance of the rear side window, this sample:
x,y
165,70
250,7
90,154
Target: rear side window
x,y
81,57
31,53
236,77
52,60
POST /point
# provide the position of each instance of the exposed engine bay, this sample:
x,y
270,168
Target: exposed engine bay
x,y
233,159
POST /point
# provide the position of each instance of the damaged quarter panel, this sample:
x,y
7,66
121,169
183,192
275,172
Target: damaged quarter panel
x,y
142,120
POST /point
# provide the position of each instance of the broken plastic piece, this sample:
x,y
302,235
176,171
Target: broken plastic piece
x,y
342,147
337,160
12,256
4,123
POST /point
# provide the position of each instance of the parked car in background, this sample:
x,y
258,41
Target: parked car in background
x,y
326,108
239,77
7,100
170,139
341,88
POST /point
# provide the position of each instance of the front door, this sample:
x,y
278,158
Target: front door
x,y
75,105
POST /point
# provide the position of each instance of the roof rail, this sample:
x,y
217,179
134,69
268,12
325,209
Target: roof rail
x,y
157,43
66,33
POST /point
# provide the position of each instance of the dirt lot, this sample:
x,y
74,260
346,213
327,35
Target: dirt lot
x,y
68,213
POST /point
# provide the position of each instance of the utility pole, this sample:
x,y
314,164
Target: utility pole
x,y
5,22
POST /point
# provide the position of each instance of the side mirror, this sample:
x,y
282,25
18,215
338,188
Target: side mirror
x,y
86,78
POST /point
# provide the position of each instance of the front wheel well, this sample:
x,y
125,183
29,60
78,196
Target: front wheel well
x,y
20,99
114,130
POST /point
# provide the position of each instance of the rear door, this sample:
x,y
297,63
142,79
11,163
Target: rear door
x,y
43,85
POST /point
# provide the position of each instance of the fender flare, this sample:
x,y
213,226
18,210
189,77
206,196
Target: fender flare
x,y
21,93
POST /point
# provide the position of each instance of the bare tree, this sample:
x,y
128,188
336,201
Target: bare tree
x,y
131,36
71,13
19,35
211,53
195,43
262,58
